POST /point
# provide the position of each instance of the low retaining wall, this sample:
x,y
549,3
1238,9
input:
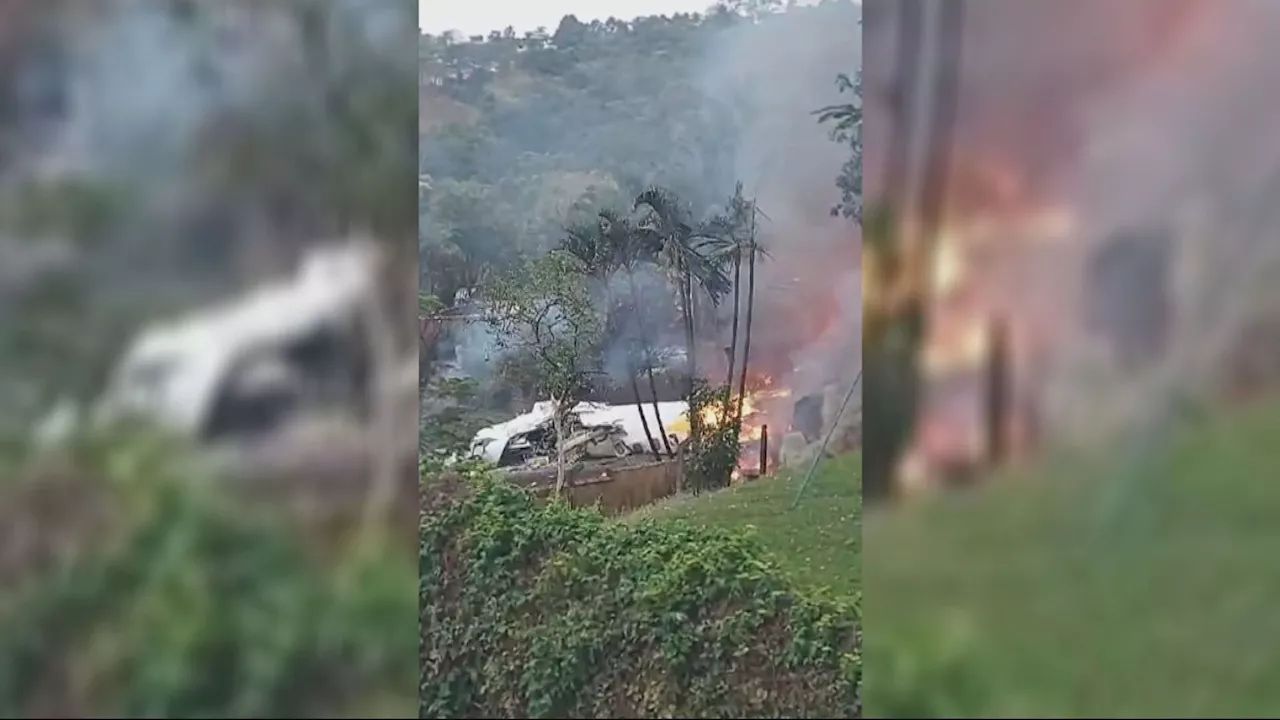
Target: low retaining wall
x,y
616,490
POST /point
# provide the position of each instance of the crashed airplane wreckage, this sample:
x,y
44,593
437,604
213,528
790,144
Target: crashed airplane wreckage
x,y
595,431
255,365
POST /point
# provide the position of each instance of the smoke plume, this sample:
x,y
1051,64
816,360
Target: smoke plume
x,y
1149,116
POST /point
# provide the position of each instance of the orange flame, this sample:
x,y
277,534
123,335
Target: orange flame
x,y
758,403
967,288
754,414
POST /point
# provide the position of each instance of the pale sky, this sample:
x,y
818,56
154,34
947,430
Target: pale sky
x,y
479,17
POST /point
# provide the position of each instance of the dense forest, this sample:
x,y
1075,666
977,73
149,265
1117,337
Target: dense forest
x,y
740,121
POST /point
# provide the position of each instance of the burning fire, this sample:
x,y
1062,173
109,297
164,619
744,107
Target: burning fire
x,y
759,404
961,301
948,265
976,259
1028,112
754,413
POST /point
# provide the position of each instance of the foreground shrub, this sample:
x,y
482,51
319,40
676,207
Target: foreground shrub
x,y
138,587
548,611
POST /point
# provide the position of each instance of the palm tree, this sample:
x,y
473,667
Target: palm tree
x,y
693,257
737,308
753,250
632,248
737,227
604,248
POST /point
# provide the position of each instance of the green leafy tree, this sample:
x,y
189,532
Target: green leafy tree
x,y
545,317
845,120
429,304
606,247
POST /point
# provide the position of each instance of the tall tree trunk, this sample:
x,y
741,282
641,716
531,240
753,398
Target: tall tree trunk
x,y
653,393
691,352
733,333
646,346
644,421
557,419
746,341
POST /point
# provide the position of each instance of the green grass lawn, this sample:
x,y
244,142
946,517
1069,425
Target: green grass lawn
x,y
818,544
1147,586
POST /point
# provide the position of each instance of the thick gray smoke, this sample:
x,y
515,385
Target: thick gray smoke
x,y
1191,149
124,103
143,76
808,314
642,342
150,87
475,350
134,101
1149,116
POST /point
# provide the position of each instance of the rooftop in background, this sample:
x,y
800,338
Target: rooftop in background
x,y
480,17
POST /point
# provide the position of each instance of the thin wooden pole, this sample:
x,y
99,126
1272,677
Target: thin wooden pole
x,y
997,396
764,450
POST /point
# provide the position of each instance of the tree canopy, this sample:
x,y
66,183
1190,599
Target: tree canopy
x,y
627,145
845,120
522,135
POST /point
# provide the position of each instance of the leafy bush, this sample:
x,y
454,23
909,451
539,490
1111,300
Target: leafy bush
x,y
711,452
547,611
139,588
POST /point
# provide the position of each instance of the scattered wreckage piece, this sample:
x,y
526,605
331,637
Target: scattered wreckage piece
x,y
537,447
245,368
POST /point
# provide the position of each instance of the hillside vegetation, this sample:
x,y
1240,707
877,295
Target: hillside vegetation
x,y
140,585
546,611
521,135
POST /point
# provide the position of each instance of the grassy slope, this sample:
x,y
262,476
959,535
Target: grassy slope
x,y
1147,589
818,544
